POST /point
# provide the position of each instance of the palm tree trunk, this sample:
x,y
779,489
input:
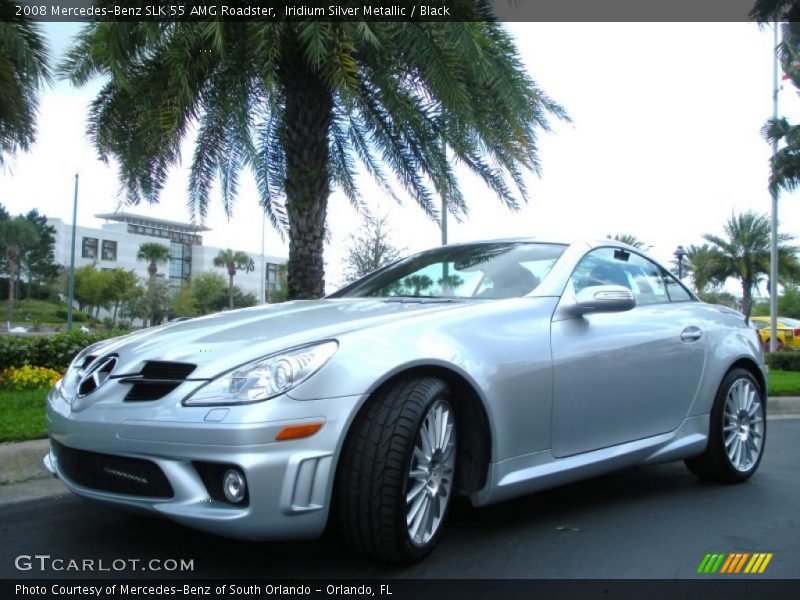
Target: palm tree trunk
x,y
230,291
746,298
309,105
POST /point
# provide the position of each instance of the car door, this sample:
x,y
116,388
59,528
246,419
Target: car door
x,y
623,376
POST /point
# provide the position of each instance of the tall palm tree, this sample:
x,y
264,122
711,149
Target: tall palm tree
x,y
785,163
233,260
743,253
705,265
16,235
303,103
631,240
23,73
155,254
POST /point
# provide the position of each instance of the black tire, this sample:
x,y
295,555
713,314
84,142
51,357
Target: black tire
x,y
714,464
373,474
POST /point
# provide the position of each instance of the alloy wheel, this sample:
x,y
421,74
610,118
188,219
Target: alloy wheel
x,y
430,476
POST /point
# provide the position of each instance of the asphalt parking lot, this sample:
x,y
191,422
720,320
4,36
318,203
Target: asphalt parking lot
x,y
648,522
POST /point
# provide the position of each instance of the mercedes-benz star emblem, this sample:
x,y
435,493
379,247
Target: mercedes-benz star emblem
x,y
96,375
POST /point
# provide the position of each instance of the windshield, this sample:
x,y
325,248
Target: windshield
x,y
491,270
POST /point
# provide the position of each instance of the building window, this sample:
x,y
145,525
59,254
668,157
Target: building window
x,y
180,263
109,250
89,248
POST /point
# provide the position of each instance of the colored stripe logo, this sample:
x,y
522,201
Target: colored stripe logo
x,y
734,562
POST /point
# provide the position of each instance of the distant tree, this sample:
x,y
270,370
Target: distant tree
x,y
16,235
242,299
370,248
209,292
744,253
151,303
789,301
723,298
280,293
91,289
120,287
23,73
38,261
706,267
631,240
183,302
232,261
414,285
154,254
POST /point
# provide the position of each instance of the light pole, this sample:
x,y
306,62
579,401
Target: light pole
x,y
263,280
680,254
773,238
71,285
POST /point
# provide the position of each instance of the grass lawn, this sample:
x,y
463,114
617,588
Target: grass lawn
x,y
784,383
30,312
22,415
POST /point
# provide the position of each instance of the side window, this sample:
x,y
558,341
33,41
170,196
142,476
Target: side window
x,y
677,293
648,286
604,266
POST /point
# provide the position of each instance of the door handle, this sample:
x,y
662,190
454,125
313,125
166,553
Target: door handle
x,y
691,334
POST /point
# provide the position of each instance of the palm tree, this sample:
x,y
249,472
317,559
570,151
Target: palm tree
x,y
743,253
23,72
303,103
155,254
631,240
705,265
785,163
16,235
233,260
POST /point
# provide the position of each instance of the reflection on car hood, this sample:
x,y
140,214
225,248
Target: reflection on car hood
x,y
224,340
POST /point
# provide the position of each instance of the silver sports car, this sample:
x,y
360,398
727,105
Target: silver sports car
x,y
489,369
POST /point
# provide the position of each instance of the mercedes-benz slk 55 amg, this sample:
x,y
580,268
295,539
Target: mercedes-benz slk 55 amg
x,y
489,370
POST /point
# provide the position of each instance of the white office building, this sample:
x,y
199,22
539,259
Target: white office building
x,y
116,243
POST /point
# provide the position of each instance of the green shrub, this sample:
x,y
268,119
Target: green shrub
x,y
77,316
53,352
783,361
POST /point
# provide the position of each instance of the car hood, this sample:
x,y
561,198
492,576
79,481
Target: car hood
x,y
222,341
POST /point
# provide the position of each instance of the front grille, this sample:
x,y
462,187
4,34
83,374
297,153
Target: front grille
x,y
156,379
108,473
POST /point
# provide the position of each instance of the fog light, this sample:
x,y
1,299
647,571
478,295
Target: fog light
x,y
234,486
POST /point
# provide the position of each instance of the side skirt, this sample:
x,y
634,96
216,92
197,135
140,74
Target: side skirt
x,y
541,470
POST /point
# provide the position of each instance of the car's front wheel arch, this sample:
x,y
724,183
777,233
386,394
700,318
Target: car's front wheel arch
x,y
475,447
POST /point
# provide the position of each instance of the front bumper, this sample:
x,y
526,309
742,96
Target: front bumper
x,y
289,482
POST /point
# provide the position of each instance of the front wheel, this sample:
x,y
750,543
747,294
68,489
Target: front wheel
x,y
396,476
737,433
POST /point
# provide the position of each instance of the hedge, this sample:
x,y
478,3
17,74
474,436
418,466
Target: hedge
x,y
783,361
53,352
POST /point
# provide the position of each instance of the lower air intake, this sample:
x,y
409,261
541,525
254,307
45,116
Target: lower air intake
x,y
115,474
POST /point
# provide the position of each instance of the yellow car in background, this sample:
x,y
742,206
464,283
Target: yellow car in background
x,y
788,332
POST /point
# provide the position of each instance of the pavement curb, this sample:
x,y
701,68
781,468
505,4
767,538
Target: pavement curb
x,y
22,461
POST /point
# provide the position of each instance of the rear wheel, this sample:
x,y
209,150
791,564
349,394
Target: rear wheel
x,y
737,433
396,476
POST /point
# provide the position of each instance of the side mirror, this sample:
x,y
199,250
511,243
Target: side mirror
x,y
601,299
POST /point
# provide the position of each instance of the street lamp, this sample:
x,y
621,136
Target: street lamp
x,y
71,284
680,253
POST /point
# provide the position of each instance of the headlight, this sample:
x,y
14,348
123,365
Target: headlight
x,y
264,378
